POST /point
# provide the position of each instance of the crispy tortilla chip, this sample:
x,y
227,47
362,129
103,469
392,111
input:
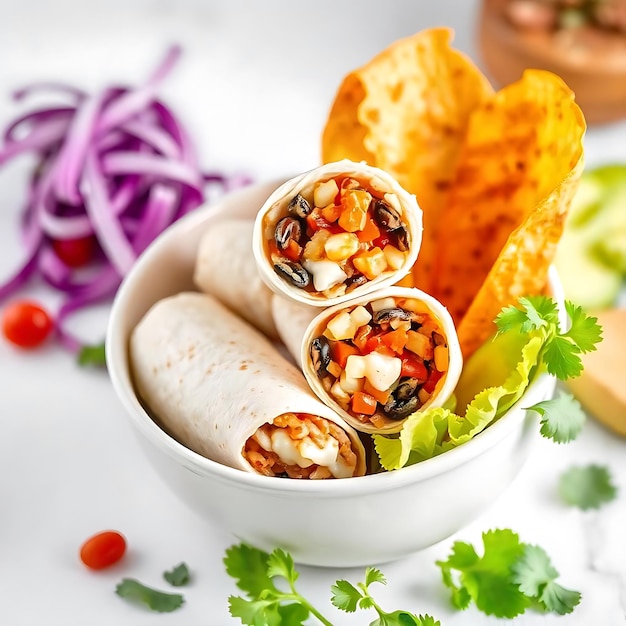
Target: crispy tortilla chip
x,y
407,111
493,173
515,179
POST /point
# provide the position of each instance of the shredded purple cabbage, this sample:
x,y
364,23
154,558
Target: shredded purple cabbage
x,y
116,165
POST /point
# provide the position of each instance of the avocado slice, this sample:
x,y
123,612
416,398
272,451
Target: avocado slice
x,y
591,256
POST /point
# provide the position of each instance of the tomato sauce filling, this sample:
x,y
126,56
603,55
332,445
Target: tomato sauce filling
x,y
300,445
383,360
337,235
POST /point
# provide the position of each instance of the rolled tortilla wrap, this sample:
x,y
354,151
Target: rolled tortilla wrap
x,y
379,358
221,389
226,269
292,319
337,232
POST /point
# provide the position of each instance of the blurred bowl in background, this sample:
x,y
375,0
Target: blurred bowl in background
x,y
591,60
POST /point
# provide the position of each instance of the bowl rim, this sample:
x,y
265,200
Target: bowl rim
x,y
116,350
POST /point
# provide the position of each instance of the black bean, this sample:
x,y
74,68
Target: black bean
x,y
293,272
299,207
320,355
404,399
386,216
355,281
386,315
287,229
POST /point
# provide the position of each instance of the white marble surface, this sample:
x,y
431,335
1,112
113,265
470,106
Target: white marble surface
x,y
255,84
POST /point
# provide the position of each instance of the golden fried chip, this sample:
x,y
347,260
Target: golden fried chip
x,y
407,111
493,173
515,179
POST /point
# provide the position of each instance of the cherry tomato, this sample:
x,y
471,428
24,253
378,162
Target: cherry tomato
x,y
26,324
103,550
74,252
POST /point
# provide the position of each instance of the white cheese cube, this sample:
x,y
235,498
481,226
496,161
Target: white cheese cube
x,y
381,370
326,274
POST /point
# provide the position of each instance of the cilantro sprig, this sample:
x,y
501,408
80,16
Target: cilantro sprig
x,y
538,315
349,598
268,605
529,340
508,578
587,487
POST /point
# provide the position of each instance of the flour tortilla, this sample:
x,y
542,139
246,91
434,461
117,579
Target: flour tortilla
x,y
445,386
226,269
291,319
276,205
210,379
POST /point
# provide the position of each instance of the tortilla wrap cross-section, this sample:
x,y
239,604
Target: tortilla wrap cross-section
x,y
222,389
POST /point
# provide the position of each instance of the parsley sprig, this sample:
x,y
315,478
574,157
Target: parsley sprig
x,y
266,604
508,578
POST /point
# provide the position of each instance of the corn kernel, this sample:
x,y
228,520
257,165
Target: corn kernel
x,y
314,249
360,316
372,263
395,258
423,396
341,326
341,246
324,193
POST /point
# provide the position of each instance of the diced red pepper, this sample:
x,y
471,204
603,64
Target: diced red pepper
x,y
376,344
382,241
433,379
413,366
315,221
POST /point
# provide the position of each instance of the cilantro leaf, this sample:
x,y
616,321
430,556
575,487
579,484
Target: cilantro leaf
x,y
562,417
510,577
92,355
345,596
536,576
248,566
511,318
159,601
587,487
561,358
487,579
266,612
584,330
558,599
177,576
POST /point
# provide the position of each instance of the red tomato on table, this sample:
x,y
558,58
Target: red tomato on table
x,y
26,324
103,550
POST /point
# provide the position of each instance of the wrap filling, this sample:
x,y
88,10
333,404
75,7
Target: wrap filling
x,y
383,360
299,445
337,235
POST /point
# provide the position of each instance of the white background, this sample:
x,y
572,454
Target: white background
x,y
254,86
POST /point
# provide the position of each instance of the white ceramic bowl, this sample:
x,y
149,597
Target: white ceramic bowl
x,y
326,523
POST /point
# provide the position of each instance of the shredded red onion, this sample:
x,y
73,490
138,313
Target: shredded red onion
x,y
117,166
